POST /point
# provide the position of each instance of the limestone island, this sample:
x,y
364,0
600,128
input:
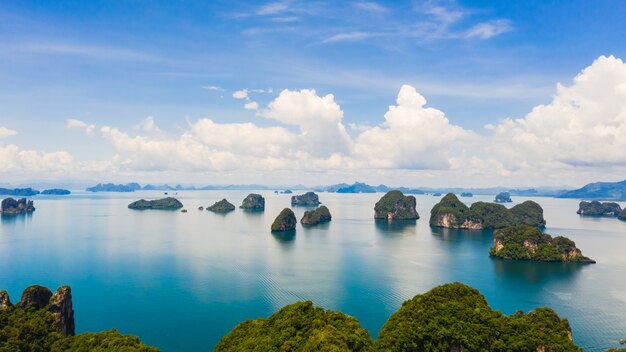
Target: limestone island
x,y
452,318
622,215
503,197
168,203
309,199
44,321
394,205
436,194
56,192
595,208
10,206
317,216
529,243
223,206
285,221
450,212
253,202
467,194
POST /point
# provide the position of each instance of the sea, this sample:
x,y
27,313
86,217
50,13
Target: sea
x,y
181,281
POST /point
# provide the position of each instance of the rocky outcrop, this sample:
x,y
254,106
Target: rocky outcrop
x,y
223,206
35,297
450,212
467,194
60,306
503,197
56,192
622,215
309,199
317,216
5,300
396,206
21,206
168,203
529,243
285,221
253,202
595,208
19,192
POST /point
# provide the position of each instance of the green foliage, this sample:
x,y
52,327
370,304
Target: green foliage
x,y
455,317
395,205
223,206
253,202
285,221
168,203
298,327
27,330
105,341
488,215
317,216
595,208
525,242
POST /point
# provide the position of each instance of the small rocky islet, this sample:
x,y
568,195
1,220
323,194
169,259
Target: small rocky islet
x,y
317,216
254,202
168,203
503,197
285,221
525,242
595,208
309,199
394,205
12,206
222,206
450,212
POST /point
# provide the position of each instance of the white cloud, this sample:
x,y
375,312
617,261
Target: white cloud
x,y
412,137
5,132
343,37
584,125
241,94
14,161
215,88
149,126
78,124
489,29
273,8
252,105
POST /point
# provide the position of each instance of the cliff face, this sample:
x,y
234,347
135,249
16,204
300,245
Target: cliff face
x,y
60,305
308,199
253,202
5,301
317,216
596,208
21,206
285,221
396,206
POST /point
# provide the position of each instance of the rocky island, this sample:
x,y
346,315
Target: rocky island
x,y
168,203
223,206
309,199
529,243
622,215
503,197
422,323
110,187
285,221
254,202
595,208
19,192
43,321
56,192
450,212
394,205
467,194
317,216
10,206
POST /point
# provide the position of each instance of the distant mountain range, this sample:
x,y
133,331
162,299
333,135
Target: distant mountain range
x,y
598,190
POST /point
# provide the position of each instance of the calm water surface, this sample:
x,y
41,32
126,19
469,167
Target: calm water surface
x,y
182,280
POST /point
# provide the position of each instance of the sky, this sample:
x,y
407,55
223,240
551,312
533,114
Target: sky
x,y
412,93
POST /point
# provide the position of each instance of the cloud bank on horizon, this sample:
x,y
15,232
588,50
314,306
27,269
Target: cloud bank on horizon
x,y
302,137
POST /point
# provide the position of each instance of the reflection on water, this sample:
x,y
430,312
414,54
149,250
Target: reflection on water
x,y
284,237
395,227
534,272
12,218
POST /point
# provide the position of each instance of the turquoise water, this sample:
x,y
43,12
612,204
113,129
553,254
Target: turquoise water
x,y
182,280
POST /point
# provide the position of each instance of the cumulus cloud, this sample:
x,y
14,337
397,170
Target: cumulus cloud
x,y
241,94
5,132
584,124
412,136
18,162
252,105
78,124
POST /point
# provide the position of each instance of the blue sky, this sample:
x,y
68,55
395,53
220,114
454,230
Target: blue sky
x,y
114,63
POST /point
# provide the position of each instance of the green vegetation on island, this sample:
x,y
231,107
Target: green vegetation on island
x,y
595,208
44,322
529,243
467,194
394,205
298,327
56,192
451,317
285,221
168,203
19,192
309,199
11,206
450,212
223,206
253,202
317,216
